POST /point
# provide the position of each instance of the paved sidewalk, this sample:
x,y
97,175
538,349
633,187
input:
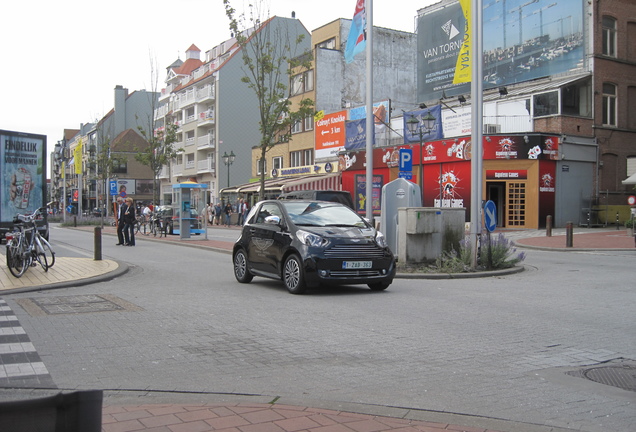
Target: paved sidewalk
x,y
232,413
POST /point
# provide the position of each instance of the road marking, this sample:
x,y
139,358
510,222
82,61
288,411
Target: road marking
x,y
20,364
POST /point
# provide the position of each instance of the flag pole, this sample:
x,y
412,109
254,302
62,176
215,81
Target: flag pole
x,y
370,123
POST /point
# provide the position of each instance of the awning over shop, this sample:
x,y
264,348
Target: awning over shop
x,y
331,181
631,180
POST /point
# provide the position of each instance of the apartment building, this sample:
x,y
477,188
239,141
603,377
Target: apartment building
x,y
215,112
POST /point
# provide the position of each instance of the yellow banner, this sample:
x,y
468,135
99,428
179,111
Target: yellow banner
x,y
463,72
77,156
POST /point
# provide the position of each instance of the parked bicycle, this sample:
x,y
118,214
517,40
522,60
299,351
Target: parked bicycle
x,y
26,247
142,225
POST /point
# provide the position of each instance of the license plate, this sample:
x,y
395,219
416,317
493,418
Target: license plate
x,y
356,264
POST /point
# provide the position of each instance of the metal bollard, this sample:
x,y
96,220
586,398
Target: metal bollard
x,y
74,221
569,234
617,222
548,226
98,244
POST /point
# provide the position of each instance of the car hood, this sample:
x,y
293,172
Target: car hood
x,y
341,232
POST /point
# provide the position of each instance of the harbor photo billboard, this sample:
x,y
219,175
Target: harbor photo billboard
x,y
522,40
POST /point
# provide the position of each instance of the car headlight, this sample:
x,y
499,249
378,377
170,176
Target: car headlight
x,y
381,240
311,239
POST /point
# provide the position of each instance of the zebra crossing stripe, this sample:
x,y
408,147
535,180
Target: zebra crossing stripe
x,y
20,364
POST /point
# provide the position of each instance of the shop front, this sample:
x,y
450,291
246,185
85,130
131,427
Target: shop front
x,y
519,175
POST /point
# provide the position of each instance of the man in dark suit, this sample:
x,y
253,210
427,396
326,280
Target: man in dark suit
x,y
120,209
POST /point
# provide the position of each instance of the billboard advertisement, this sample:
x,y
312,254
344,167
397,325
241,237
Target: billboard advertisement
x,y
522,40
22,177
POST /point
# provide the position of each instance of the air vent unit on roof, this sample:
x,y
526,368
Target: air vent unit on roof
x,y
492,128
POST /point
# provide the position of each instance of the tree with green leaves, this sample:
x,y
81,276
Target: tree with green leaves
x,y
160,149
270,58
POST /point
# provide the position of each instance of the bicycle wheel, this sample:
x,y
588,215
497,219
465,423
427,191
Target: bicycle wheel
x,y
48,253
16,261
41,258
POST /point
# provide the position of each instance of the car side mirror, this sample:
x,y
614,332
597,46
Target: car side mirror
x,y
272,220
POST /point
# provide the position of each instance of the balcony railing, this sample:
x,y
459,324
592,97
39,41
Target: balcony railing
x,y
177,169
189,164
164,173
206,118
206,142
205,166
190,141
206,92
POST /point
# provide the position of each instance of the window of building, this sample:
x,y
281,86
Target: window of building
x,y
328,44
576,99
308,157
308,79
189,161
631,165
277,162
190,114
295,159
120,166
297,127
261,166
303,82
609,104
297,84
546,104
609,36
309,123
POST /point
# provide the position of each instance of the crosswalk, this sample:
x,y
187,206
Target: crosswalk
x,y
20,364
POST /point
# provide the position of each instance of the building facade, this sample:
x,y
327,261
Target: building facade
x,y
216,113
115,136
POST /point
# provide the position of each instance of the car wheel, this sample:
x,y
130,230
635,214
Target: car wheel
x,y
379,286
241,273
293,276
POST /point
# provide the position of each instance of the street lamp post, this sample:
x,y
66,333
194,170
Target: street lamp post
x,y
228,159
422,125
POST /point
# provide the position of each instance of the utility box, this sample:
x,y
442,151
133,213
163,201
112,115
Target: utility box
x,y
425,233
395,194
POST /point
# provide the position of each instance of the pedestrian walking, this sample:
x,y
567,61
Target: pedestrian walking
x,y
130,219
228,213
210,214
239,210
118,210
217,213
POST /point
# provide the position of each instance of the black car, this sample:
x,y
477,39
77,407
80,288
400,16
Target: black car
x,y
308,243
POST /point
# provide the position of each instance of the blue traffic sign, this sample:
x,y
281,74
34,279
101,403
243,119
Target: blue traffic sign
x,y
490,215
406,160
113,187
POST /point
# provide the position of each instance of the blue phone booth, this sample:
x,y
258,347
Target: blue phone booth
x,y
189,199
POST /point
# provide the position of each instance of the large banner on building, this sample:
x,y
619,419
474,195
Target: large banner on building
x,y
522,40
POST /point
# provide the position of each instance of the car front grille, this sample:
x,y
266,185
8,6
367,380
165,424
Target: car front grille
x,y
353,251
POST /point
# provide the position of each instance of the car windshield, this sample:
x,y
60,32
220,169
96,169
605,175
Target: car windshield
x,y
303,213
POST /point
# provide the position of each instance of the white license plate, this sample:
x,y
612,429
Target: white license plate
x,y
356,264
